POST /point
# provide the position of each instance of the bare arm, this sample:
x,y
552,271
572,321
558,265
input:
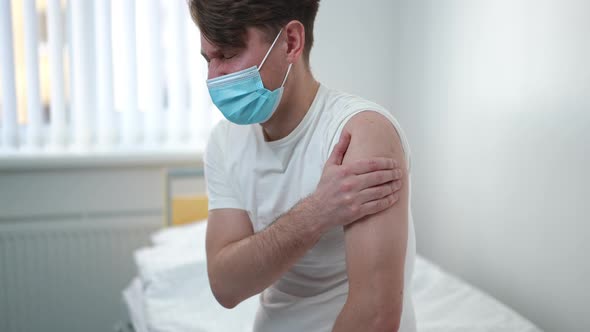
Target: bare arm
x,y
375,244
241,264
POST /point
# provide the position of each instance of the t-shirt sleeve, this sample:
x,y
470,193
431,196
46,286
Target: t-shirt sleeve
x,y
219,189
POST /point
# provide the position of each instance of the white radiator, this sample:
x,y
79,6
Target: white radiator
x,y
65,274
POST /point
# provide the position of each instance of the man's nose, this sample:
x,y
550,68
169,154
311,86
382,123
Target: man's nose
x,y
215,70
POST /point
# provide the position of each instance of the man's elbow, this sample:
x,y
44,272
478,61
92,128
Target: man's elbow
x,y
225,301
385,312
380,313
223,296
387,322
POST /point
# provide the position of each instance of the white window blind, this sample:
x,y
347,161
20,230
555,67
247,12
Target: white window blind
x,y
101,77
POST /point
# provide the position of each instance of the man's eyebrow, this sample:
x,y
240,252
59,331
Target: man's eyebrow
x,y
204,55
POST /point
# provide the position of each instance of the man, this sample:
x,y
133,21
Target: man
x,y
309,187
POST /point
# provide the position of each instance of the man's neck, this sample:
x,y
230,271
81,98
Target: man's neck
x,y
293,107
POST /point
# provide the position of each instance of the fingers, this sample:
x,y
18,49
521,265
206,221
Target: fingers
x,y
379,205
378,178
372,165
379,192
339,150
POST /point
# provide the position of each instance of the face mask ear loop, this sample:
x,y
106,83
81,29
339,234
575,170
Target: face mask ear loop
x,y
288,71
270,49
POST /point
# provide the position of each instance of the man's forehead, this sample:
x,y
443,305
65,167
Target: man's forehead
x,y
207,46
253,34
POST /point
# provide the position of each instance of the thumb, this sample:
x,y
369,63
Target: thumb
x,y
339,150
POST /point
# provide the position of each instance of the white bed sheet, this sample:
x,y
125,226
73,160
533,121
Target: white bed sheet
x,y
171,293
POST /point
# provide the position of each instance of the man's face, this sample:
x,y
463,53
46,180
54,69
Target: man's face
x,y
226,61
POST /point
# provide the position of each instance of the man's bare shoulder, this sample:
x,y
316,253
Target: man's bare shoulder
x,y
375,136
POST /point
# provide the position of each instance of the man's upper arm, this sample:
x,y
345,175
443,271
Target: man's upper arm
x,y
228,221
224,227
376,244
219,189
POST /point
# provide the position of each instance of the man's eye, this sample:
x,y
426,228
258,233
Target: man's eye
x,y
227,57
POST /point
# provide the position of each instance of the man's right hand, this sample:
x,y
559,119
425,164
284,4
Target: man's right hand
x,y
348,193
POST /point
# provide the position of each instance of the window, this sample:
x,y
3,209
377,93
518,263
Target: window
x,y
89,76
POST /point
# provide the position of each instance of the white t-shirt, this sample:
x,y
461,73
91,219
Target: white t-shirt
x,y
266,179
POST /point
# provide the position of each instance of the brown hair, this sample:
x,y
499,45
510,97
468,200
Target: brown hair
x,y
224,22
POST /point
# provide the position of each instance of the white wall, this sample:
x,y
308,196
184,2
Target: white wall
x,y
495,98
356,48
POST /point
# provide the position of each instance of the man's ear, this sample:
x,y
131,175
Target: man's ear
x,y
295,32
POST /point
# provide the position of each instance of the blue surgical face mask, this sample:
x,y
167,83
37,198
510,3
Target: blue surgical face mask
x,y
242,97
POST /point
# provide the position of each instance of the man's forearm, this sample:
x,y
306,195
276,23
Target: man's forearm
x,y
246,267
